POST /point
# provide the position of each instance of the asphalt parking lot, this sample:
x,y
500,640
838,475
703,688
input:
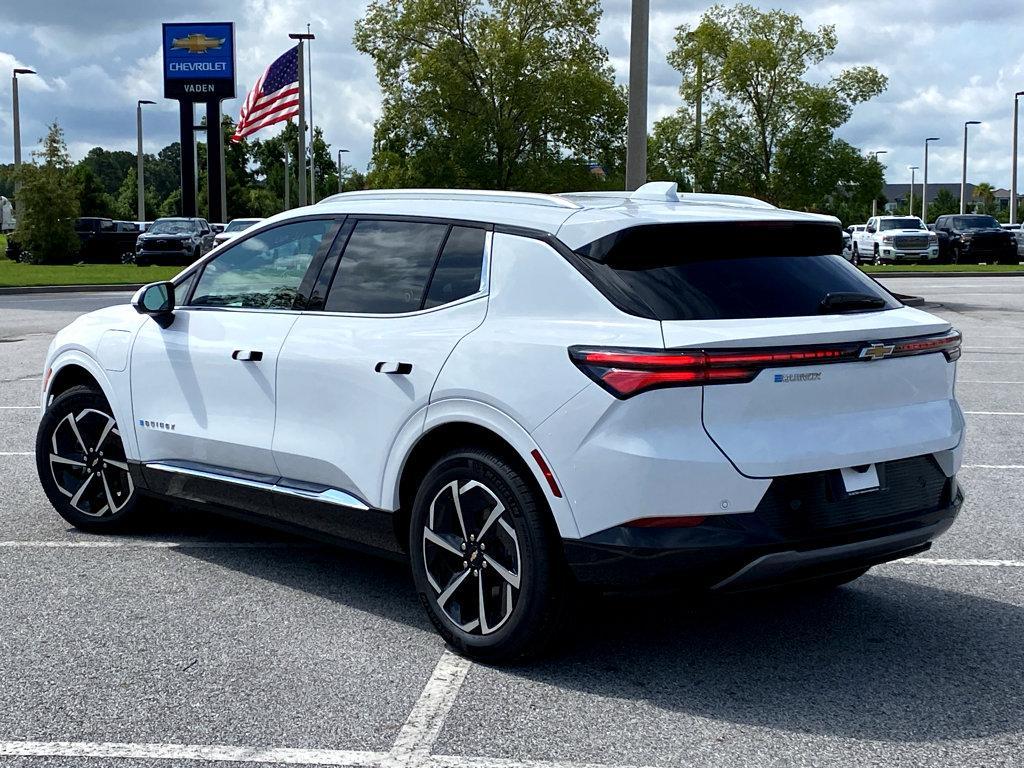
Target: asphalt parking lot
x,y
199,641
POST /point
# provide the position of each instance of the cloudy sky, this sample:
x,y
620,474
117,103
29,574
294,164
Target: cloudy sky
x,y
947,62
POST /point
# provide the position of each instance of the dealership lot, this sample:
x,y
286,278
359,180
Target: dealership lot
x,y
199,640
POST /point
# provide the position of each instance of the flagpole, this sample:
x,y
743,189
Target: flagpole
x,y
312,123
301,37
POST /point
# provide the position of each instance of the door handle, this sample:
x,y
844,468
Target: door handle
x,y
386,367
249,355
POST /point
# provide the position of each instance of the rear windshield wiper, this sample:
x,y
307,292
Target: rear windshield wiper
x,y
844,301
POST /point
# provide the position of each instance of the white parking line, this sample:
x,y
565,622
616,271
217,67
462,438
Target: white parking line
x,y
148,544
996,413
19,407
989,381
961,562
421,729
16,453
993,467
107,750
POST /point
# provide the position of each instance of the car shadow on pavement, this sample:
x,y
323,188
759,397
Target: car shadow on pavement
x,y
884,659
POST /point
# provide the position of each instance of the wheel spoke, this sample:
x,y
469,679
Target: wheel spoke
x,y
66,461
78,436
117,464
81,490
440,541
106,491
106,431
505,574
452,587
483,610
496,513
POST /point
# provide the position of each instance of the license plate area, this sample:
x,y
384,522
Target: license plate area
x,y
860,480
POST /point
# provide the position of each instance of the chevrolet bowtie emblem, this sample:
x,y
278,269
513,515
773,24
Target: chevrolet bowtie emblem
x,y
877,351
197,43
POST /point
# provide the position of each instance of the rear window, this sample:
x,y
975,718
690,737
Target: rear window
x,y
722,272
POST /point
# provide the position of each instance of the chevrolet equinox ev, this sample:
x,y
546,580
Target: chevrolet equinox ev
x,y
524,393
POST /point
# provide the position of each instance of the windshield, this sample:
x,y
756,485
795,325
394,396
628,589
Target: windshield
x,y
171,227
240,224
909,223
974,222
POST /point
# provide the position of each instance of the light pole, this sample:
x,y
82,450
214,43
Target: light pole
x,y
141,172
287,199
1013,165
17,125
924,184
339,168
874,201
912,169
963,174
636,120
302,38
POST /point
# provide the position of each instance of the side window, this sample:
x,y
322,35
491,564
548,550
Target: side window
x,y
263,271
457,274
385,267
181,288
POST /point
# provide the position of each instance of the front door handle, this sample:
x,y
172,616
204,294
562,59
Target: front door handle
x,y
250,355
386,367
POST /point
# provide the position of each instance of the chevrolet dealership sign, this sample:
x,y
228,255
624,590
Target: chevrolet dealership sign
x,y
199,61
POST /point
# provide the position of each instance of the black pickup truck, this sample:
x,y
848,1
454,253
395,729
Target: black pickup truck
x,y
974,238
105,240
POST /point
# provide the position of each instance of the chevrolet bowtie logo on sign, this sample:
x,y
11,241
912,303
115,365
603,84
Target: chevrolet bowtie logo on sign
x,y
877,351
198,43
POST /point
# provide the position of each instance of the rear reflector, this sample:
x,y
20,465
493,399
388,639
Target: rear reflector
x,y
626,372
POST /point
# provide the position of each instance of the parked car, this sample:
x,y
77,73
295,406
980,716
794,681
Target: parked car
x,y
7,220
847,246
523,392
217,227
234,228
174,240
143,226
895,239
1018,236
104,241
974,238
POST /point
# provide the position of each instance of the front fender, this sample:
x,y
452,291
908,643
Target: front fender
x,y
453,410
114,385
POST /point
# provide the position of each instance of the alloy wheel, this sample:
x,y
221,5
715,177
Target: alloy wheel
x,y
88,463
472,557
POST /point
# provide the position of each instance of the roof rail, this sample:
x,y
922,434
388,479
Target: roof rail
x,y
486,196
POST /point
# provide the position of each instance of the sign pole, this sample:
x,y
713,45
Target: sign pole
x,y
188,168
214,162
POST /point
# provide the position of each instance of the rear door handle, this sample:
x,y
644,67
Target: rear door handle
x,y
387,367
250,355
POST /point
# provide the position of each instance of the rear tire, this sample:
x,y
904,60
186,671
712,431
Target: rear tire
x,y
486,558
81,462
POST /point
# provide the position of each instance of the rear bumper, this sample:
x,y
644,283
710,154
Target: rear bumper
x,y
751,550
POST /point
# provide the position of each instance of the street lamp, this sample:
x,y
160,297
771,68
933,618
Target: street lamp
x,y
17,125
287,200
963,175
924,184
912,169
874,202
339,168
1013,168
141,180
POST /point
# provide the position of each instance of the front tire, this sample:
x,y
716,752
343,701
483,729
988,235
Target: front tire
x,y
486,558
81,462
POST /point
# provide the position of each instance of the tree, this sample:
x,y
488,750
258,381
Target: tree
x,y
48,203
767,130
93,199
508,94
943,204
984,198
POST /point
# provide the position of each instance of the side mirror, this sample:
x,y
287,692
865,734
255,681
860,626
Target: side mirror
x,y
871,229
157,301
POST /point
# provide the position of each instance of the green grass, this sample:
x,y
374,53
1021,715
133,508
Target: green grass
x,y
925,268
15,274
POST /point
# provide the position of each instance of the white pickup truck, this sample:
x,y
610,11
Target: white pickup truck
x,y
895,239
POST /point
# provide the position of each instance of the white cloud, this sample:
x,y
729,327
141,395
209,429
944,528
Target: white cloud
x,y
947,62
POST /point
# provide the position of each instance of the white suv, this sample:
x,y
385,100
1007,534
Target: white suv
x,y
521,393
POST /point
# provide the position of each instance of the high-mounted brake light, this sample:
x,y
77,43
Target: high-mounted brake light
x,y
627,372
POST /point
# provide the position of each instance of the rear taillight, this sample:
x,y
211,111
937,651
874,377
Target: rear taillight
x,y
627,372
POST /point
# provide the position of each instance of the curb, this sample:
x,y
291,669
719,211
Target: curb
x,y
81,289
964,274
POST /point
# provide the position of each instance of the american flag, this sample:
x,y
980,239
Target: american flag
x,y
274,98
